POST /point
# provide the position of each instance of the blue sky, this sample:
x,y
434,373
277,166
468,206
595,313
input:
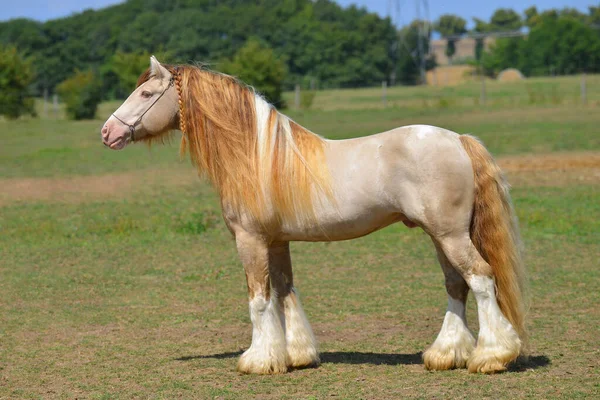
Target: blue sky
x,y
48,9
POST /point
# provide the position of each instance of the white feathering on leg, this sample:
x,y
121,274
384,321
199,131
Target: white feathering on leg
x,y
498,343
267,354
301,343
454,343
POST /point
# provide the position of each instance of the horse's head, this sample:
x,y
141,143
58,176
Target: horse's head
x,y
151,110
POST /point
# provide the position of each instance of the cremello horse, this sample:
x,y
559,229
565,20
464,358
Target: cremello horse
x,y
279,182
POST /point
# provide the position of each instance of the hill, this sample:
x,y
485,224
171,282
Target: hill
x,y
340,47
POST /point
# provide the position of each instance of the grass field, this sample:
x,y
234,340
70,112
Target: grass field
x,y
118,279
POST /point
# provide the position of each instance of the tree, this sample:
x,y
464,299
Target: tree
x,y
480,27
16,75
531,16
594,15
559,42
81,94
256,64
339,47
126,69
505,20
408,68
567,44
450,26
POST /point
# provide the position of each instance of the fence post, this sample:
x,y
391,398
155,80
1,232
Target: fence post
x,y
384,93
297,96
583,89
45,112
55,104
483,93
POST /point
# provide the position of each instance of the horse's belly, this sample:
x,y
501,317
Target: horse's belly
x,y
341,227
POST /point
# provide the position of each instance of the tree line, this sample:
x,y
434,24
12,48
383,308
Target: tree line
x,y
566,41
303,41
339,47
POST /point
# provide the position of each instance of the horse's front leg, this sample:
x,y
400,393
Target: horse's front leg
x,y
300,341
267,353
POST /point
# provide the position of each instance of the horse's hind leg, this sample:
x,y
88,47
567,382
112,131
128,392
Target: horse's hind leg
x,y
455,342
267,353
498,343
301,345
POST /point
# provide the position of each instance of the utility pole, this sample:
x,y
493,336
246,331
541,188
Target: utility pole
x,y
420,42
423,30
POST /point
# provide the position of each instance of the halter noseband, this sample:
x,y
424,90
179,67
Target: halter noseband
x,y
132,126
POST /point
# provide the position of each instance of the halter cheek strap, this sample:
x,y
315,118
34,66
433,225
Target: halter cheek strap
x,y
137,121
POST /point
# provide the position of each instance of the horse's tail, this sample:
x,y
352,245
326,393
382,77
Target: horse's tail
x,y
495,234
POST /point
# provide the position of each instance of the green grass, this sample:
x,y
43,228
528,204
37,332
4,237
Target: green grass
x,y
533,91
52,148
139,293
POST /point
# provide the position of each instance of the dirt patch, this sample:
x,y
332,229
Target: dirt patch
x,y
555,169
550,162
86,188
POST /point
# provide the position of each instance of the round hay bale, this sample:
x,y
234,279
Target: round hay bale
x,y
510,75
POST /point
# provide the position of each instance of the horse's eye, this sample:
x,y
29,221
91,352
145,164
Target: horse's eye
x,y
146,94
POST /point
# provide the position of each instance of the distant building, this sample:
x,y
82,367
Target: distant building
x,y
465,49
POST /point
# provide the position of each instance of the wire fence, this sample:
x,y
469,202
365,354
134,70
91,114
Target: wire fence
x,y
458,86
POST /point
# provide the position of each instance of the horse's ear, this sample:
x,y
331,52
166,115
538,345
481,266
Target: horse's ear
x,y
156,69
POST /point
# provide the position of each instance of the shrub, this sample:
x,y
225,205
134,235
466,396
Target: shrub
x,y
257,64
81,93
16,74
306,98
123,69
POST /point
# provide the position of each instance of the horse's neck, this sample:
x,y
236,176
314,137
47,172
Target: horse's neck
x,y
291,162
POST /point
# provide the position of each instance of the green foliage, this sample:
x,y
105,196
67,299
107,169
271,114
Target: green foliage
x,y
125,68
257,65
307,97
561,42
594,15
531,15
16,74
81,93
408,69
505,19
450,25
340,47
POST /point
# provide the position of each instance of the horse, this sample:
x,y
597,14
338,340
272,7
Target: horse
x,y
278,182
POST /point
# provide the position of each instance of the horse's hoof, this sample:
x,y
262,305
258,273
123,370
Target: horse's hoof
x,y
253,363
490,361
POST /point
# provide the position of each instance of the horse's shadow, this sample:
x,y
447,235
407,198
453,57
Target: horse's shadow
x,y
356,357
528,363
336,357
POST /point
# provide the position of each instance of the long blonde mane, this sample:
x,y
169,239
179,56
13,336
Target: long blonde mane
x,y
264,165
